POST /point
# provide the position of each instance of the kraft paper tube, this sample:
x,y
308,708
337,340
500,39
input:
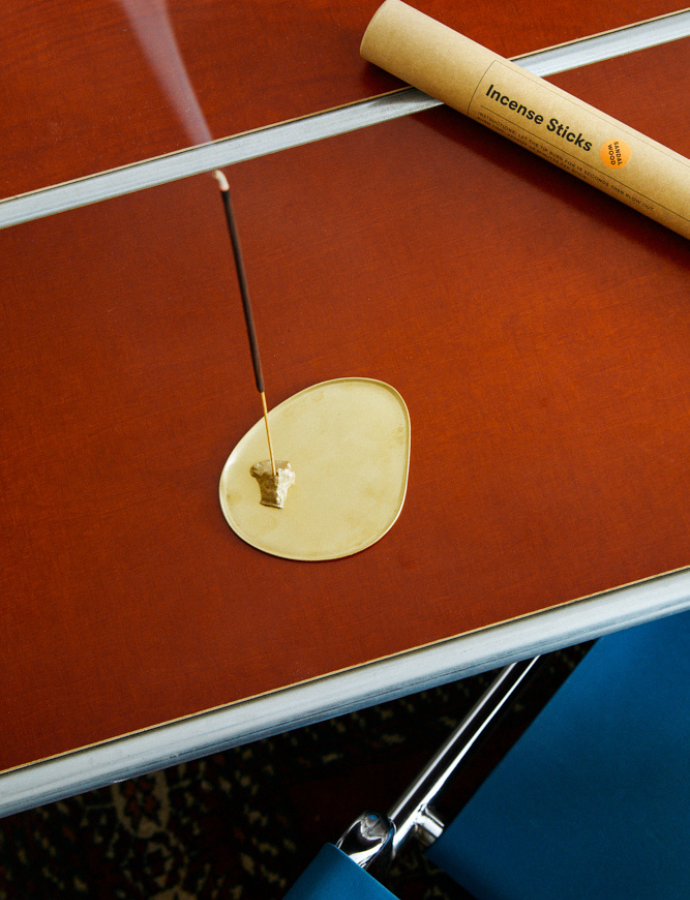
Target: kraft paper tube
x,y
531,112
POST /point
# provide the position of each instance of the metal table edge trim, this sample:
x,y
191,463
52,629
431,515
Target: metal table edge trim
x,y
337,694
320,125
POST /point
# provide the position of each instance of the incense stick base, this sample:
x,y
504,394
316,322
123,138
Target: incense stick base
x,y
348,441
274,488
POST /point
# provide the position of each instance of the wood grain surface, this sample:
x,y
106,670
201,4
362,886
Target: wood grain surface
x,y
538,331
78,95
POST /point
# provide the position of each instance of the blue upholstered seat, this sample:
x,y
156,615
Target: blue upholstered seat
x,y
594,800
334,876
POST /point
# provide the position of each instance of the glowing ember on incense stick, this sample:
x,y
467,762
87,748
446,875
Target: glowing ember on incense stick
x,y
151,24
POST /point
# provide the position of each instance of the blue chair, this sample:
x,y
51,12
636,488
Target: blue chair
x,y
592,801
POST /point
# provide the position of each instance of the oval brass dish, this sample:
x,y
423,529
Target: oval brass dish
x,y
348,442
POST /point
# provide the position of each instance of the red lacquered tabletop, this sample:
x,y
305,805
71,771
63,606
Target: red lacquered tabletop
x,y
79,94
536,328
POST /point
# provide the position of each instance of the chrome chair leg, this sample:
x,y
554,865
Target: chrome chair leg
x,y
372,840
369,843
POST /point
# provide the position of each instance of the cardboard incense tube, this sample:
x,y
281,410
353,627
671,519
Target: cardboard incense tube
x,y
531,112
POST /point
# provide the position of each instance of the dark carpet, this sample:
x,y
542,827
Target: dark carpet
x,y
244,823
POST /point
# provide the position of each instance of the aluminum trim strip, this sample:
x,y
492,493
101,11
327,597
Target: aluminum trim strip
x,y
283,136
341,693
610,44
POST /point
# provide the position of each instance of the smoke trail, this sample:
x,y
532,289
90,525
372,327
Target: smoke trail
x,y
151,24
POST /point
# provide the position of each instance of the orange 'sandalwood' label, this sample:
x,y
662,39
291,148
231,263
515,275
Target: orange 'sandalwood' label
x,y
615,153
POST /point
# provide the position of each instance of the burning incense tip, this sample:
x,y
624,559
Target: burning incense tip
x,y
274,484
221,179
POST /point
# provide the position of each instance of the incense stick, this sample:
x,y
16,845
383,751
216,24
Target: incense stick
x,y
246,303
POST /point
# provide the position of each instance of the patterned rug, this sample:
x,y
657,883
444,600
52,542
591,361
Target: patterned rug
x,y
244,823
